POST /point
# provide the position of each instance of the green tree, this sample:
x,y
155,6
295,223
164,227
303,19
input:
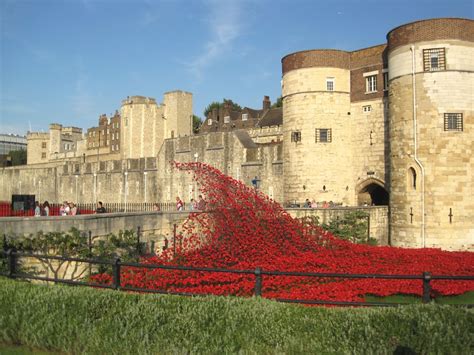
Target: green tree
x,y
217,105
278,103
197,121
18,157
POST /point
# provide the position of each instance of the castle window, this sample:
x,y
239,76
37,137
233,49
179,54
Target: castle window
x,y
93,133
296,136
226,119
371,84
323,135
209,122
245,116
367,108
43,145
43,155
434,59
385,81
330,84
412,178
453,122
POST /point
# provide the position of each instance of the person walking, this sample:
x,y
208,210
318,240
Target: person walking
x,y
179,204
46,208
100,208
37,209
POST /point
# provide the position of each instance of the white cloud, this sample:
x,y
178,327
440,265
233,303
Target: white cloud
x,y
225,25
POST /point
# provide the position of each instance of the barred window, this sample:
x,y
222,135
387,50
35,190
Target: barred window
x,y
43,155
453,122
296,136
323,135
434,59
330,84
43,145
371,84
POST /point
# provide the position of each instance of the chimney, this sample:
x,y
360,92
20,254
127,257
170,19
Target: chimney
x,y
215,114
266,103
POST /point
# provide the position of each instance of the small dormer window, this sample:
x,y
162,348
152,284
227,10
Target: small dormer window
x,y
245,116
226,119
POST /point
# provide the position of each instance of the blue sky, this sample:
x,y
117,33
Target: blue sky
x,y
68,61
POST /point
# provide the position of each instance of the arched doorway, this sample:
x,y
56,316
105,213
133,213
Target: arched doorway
x,y
372,192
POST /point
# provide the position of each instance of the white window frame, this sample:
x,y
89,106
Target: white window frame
x,y
245,116
226,119
370,84
367,108
209,122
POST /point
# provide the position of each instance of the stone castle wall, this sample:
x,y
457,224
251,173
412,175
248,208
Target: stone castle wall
x,y
432,181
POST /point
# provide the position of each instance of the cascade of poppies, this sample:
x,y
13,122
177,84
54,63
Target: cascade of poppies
x,y
241,228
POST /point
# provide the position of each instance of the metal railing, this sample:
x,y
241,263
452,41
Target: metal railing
x,y
6,208
13,256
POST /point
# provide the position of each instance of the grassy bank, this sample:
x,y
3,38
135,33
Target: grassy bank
x,y
85,320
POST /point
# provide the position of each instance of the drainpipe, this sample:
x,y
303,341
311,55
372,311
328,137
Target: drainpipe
x,y
415,142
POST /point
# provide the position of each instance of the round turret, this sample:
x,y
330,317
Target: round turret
x,y
316,126
431,76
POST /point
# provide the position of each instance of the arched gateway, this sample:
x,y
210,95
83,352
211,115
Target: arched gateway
x,y
372,192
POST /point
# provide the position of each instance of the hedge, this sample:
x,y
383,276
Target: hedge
x,y
87,320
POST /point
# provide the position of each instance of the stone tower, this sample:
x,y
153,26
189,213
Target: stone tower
x,y
317,126
178,112
141,127
145,124
431,72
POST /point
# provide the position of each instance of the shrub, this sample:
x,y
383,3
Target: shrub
x,y
85,320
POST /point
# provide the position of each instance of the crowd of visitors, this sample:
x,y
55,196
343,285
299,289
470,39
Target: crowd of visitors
x,y
42,209
199,205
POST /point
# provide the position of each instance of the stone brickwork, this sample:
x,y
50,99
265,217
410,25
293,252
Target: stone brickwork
x,y
314,167
377,223
432,168
337,142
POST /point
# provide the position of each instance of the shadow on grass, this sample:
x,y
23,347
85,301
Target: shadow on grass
x,y
466,298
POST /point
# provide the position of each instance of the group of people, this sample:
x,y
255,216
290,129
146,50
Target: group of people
x,y
68,209
199,205
42,209
314,204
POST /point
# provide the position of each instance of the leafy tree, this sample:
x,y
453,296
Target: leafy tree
x,y
74,244
197,121
217,105
278,103
18,157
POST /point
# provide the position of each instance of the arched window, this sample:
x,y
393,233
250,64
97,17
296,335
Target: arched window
x,y
412,178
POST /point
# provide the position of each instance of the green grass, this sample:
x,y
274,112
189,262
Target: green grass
x,y
22,350
92,321
466,298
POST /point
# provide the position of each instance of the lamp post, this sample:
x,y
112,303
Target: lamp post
x,y
125,189
76,176
95,188
144,183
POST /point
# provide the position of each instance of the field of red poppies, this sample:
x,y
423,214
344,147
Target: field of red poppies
x,y
243,229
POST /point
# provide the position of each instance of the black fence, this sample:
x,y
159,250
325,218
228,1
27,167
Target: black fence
x,y
8,210
11,257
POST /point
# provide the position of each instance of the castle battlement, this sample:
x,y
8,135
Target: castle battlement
x,y
138,100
